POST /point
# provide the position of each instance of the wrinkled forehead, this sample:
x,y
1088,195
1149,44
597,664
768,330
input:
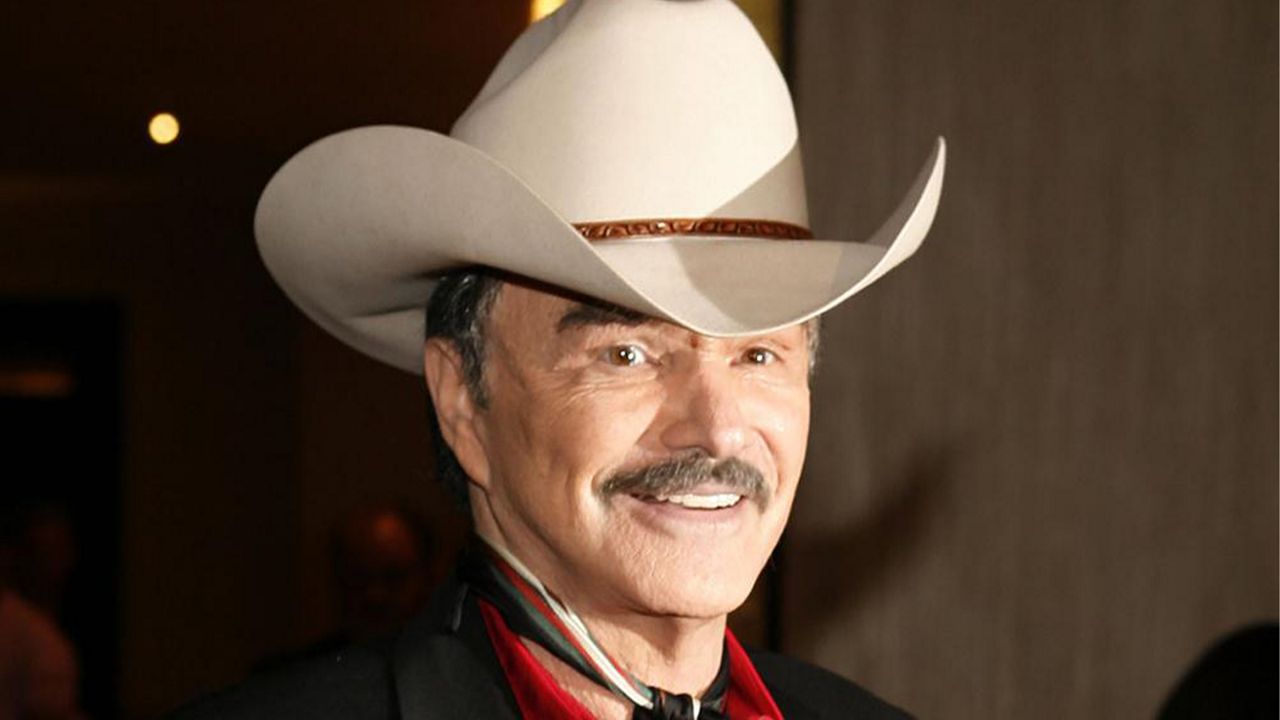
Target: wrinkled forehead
x,y
537,306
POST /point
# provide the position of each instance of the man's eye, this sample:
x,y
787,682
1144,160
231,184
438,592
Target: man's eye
x,y
625,355
759,356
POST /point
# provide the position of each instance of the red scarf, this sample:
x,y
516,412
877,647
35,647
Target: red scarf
x,y
540,696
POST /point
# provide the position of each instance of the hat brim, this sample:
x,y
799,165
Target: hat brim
x,y
357,227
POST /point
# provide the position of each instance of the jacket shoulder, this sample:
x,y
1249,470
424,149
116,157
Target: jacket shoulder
x,y
807,691
351,683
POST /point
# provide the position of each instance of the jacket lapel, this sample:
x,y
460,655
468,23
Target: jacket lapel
x,y
444,665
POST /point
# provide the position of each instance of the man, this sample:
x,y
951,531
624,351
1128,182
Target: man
x,y
623,292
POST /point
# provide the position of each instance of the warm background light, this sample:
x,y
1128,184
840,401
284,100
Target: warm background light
x,y
35,381
163,128
539,9
766,14
767,17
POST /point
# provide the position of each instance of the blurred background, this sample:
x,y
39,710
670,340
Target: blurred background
x,y
1043,473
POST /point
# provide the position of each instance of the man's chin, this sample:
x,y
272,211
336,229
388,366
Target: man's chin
x,y
703,573
693,598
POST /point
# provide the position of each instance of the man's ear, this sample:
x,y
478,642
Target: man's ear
x,y
455,408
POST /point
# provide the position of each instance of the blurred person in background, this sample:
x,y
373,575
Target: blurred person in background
x,y
39,673
1236,679
384,570
384,565
47,557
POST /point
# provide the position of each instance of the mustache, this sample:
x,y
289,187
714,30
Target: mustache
x,y
679,475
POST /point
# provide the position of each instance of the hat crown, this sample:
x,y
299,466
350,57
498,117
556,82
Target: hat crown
x,y
621,109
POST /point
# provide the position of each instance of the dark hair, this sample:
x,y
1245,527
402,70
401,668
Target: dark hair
x,y
458,311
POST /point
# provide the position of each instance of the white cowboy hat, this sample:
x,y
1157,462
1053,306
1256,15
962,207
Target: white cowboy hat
x,y
643,152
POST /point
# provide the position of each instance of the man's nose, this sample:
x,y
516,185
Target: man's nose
x,y
703,412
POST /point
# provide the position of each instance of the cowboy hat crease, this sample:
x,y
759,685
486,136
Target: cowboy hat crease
x,y
581,123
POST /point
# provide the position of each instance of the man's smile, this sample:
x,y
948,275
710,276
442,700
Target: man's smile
x,y
706,509
695,501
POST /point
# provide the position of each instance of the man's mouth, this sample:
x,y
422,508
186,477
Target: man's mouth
x,y
717,501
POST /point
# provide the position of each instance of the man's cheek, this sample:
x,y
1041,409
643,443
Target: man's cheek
x,y
595,422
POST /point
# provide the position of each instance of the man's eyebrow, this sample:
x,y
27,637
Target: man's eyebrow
x,y
590,314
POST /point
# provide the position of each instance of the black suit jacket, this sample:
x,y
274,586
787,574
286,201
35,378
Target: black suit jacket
x,y
443,667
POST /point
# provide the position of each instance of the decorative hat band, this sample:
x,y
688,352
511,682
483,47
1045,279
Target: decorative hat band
x,y
735,227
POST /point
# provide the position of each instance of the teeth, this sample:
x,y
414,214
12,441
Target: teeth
x,y
703,502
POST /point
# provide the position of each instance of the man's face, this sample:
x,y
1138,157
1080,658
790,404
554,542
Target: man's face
x,y
582,399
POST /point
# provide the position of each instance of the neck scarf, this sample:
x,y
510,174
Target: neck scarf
x,y
532,611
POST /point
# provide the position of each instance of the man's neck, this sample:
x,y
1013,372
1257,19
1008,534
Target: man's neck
x,y
679,655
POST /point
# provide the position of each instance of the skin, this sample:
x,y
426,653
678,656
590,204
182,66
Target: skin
x,y
577,395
